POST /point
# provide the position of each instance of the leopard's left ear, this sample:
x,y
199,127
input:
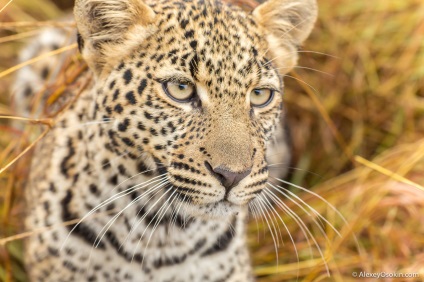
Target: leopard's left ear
x,y
286,23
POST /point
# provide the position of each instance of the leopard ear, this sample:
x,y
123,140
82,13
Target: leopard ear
x,y
286,23
108,30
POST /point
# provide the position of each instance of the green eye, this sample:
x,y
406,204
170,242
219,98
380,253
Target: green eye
x,y
261,97
180,92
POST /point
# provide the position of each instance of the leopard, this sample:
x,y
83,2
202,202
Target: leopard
x,y
151,172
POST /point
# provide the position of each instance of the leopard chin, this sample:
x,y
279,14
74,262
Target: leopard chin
x,y
222,209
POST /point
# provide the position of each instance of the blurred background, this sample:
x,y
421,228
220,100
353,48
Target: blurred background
x,y
355,106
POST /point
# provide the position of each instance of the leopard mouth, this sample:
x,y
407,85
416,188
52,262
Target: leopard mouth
x,y
222,208
190,199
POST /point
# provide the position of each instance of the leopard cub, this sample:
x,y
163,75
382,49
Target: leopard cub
x,y
162,153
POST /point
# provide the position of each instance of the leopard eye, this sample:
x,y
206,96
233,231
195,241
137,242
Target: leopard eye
x,y
180,92
261,97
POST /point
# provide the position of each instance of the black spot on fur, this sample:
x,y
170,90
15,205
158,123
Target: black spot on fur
x,y
115,95
65,165
194,66
121,66
184,23
128,142
131,98
189,34
128,76
124,125
93,189
142,86
118,108
193,44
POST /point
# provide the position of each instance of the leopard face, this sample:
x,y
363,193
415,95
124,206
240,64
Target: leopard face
x,y
194,88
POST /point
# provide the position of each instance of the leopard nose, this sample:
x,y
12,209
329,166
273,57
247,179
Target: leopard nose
x,y
228,178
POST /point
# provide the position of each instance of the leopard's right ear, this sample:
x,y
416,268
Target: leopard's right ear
x,y
286,23
109,30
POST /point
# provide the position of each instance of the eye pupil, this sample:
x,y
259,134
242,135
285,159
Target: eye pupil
x,y
182,86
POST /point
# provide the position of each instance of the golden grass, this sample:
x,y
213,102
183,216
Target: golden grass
x,y
357,128
383,212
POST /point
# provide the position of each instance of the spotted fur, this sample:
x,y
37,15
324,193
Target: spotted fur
x,y
157,163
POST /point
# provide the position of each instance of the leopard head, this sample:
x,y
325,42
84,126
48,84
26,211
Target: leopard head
x,y
195,87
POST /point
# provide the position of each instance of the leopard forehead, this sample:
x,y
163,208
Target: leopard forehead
x,y
219,47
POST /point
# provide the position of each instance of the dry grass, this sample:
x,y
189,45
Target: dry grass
x,y
366,98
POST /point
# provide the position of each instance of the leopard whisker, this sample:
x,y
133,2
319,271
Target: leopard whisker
x,y
319,53
135,175
158,220
286,55
232,228
304,203
272,208
127,192
150,197
304,82
294,216
175,214
284,207
260,205
289,54
138,222
327,203
306,68
317,196
115,217
186,216
275,166
315,221
265,201
104,203
158,212
252,208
